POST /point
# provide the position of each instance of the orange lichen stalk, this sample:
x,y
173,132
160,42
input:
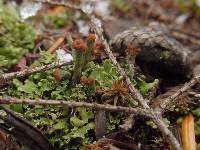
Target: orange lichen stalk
x,y
132,50
79,50
91,37
79,45
90,42
89,82
57,74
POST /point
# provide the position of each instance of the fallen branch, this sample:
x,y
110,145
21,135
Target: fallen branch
x,y
137,111
170,100
4,78
128,123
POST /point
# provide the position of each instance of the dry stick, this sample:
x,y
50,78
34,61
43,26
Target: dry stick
x,y
12,100
172,98
9,76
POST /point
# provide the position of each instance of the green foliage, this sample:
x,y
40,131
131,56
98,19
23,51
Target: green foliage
x,y
38,85
145,87
59,20
84,117
189,6
154,126
196,112
54,120
114,120
16,37
121,5
78,93
104,74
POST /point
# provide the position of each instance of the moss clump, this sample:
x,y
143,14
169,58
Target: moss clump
x,y
16,37
122,6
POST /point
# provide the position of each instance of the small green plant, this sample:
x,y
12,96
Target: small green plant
x,y
16,37
54,120
145,87
191,6
58,19
79,52
121,5
104,73
196,113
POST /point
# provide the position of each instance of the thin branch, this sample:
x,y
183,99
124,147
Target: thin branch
x,y
68,5
9,76
128,123
172,98
12,100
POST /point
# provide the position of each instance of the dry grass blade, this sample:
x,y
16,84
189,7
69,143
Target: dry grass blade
x,y
56,45
188,134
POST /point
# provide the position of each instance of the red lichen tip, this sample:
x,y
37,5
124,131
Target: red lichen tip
x,y
83,80
132,49
87,80
91,37
80,45
91,80
98,45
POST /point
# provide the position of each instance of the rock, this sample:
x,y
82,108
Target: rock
x,y
116,26
161,55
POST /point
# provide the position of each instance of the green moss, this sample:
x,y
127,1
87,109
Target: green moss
x,y
196,113
165,55
16,37
58,21
121,5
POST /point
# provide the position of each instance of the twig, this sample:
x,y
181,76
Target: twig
x,y
137,111
68,5
128,123
9,76
172,98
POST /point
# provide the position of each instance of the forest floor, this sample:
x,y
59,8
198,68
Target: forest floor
x,y
99,74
